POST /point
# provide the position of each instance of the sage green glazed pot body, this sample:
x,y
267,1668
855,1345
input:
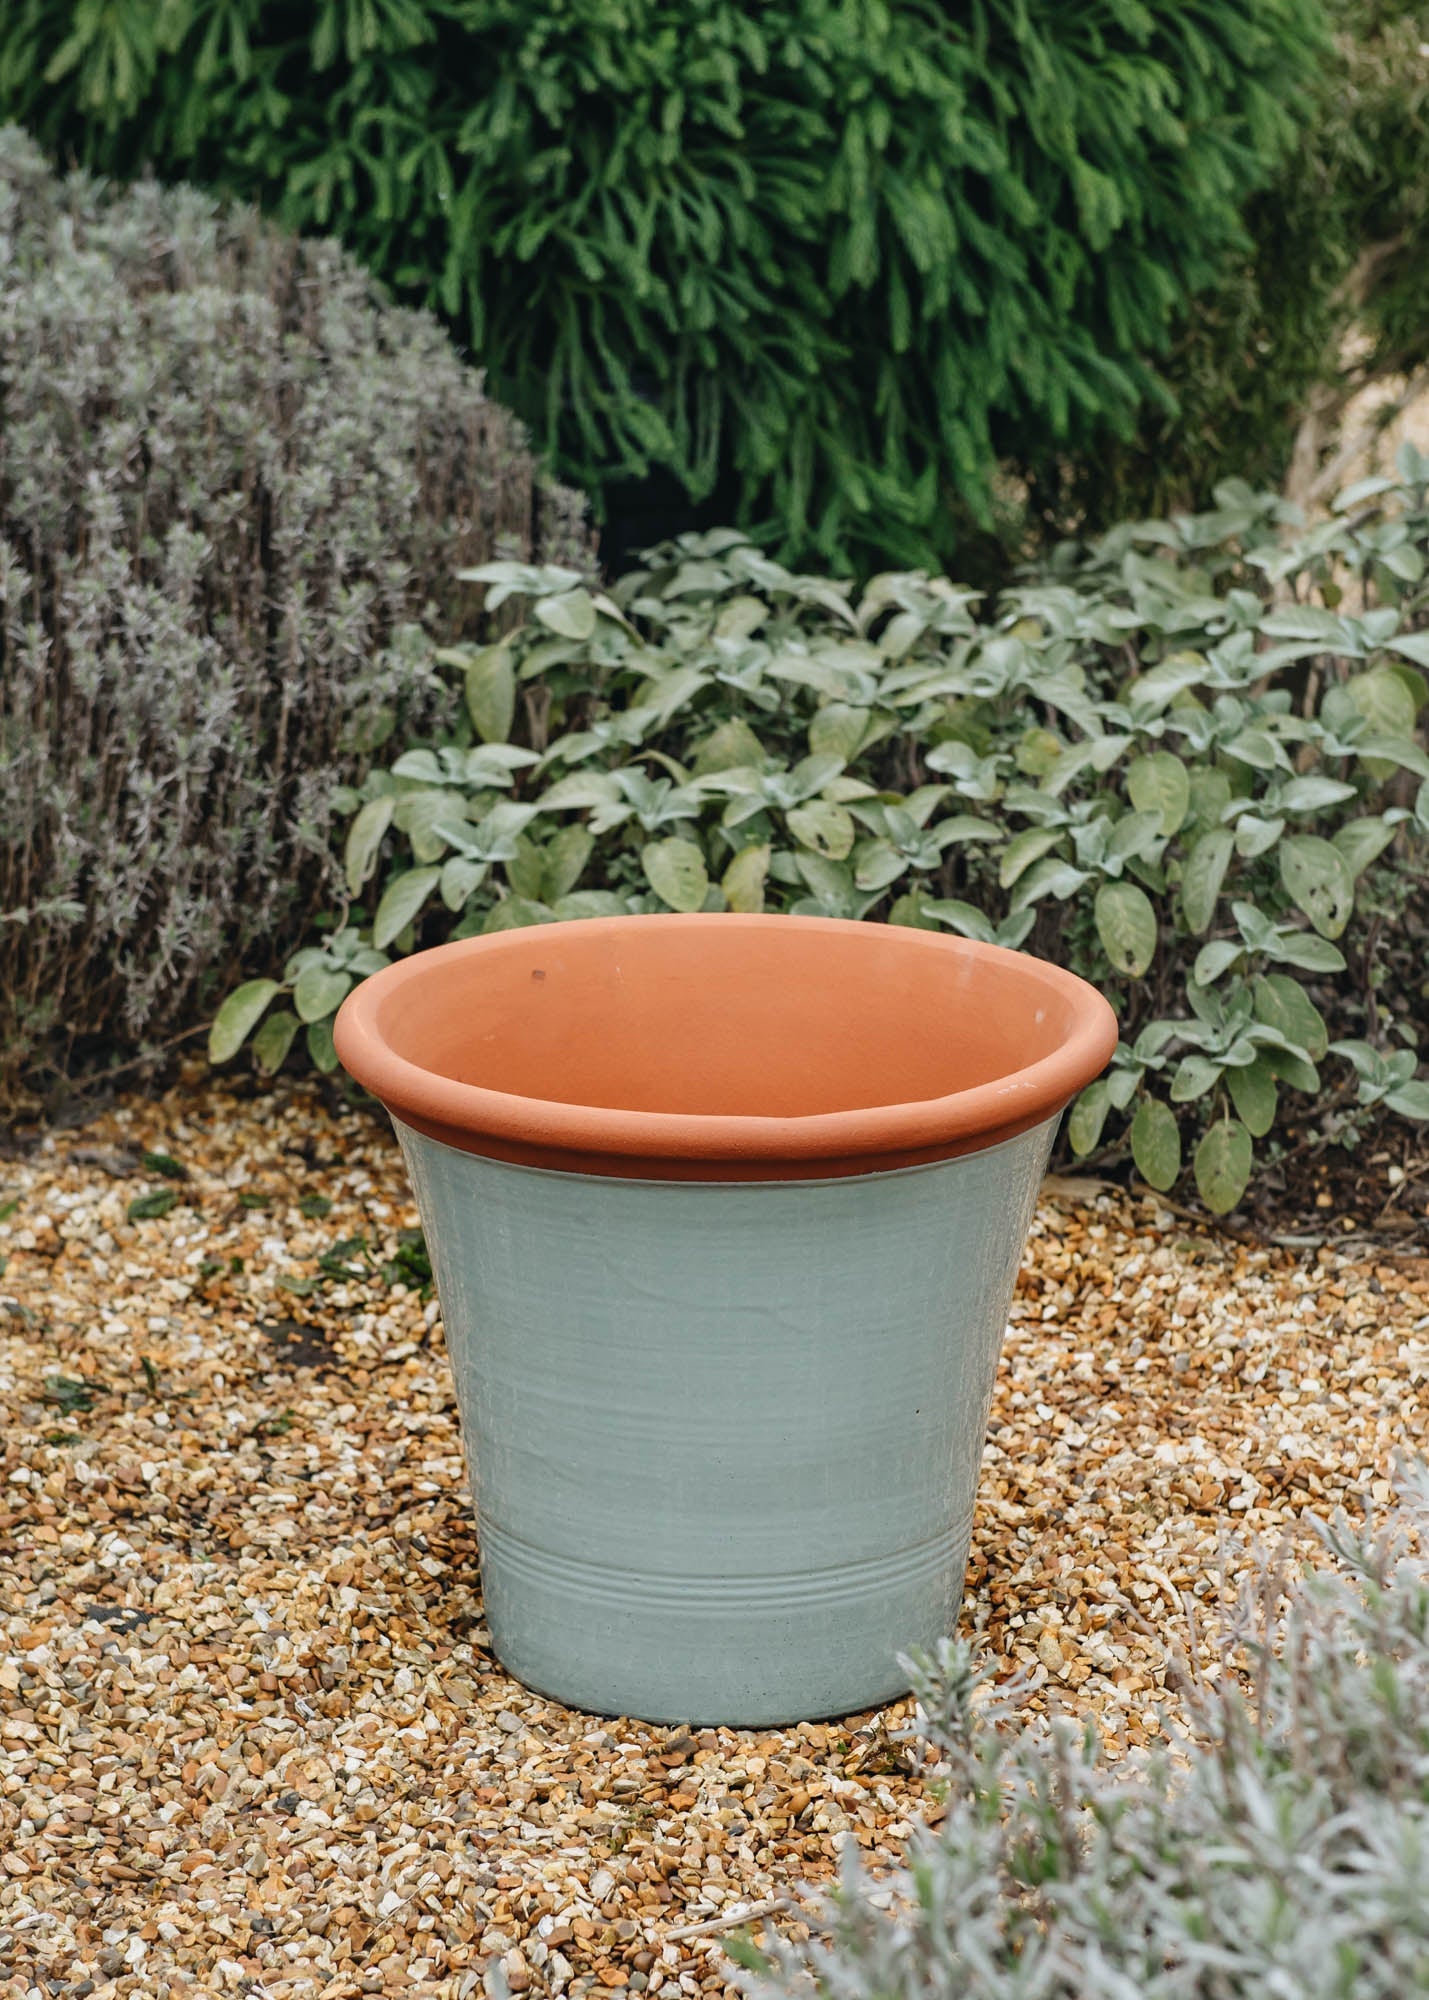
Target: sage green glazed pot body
x,y
723,1436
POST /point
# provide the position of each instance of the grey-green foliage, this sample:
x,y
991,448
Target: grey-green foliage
x,y
1178,761
1286,1858
231,484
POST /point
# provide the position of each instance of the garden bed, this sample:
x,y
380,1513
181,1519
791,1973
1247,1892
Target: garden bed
x,y
254,1739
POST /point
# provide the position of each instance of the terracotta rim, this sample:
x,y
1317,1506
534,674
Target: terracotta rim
x,y
684,1145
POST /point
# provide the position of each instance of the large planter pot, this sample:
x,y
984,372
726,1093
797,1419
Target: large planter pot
x,y
725,1214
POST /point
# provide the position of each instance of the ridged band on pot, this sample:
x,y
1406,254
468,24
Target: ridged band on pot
x,y
725,1214
723,1438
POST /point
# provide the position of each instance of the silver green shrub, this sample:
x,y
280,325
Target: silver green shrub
x,y
233,486
1188,760
1284,1855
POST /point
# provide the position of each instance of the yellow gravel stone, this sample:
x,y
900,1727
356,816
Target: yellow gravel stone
x,y
252,1736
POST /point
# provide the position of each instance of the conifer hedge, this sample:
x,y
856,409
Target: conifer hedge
x,y
836,257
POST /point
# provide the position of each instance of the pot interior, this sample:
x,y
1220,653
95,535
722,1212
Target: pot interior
x,y
759,1017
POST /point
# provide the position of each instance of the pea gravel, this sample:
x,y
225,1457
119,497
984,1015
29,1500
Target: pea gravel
x,y
252,1737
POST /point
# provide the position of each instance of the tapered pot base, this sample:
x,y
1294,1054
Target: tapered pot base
x,y
723,1438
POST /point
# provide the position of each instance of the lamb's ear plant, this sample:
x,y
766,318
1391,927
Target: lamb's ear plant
x,y
1283,1849
1187,762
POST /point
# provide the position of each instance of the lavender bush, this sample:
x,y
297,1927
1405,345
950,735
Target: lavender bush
x,y
1284,1856
234,484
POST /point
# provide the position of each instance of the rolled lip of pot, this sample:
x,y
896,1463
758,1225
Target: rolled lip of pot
x,y
723,1046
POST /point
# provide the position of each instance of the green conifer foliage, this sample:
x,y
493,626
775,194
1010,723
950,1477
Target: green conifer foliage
x,y
838,255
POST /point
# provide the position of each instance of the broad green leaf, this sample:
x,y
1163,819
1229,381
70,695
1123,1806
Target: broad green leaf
x,y
1256,835
571,615
582,788
491,693
238,1017
526,868
877,864
565,859
1210,793
1195,1075
823,827
274,1039
1310,953
591,903
732,747
319,991
1126,925
1084,1126
1294,1070
1038,751
1254,1095
364,838
675,870
1134,834
1313,794
1410,1100
1318,880
420,815
1412,646
321,1052
911,913
516,913
839,731
402,899
1384,701
1156,1143
1023,849
1202,873
1282,1002
1215,958
665,694
830,880
460,877
743,880
1417,685
960,828
1159,784
1051,876
1360,841
964,918
1222,1164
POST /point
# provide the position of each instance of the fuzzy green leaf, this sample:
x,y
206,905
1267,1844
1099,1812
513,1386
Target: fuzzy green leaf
x,y
571,615
401,902
743,880
1254,1094
1202,875
823,827
1222,1164
319,991
1282,1002
1156,1143
491,693
238,1017
1159,784
274,1039
675,870
1126,925
1088,1116
1318,880
364,839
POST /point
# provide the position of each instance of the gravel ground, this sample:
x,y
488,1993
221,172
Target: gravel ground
x,y
254,1740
